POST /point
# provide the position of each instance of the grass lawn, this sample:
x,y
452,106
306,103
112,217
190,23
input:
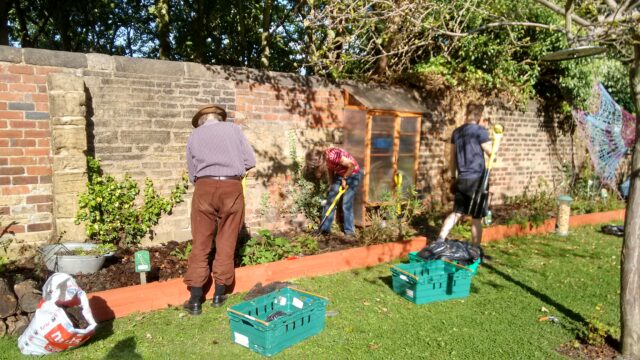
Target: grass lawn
x,y
568,276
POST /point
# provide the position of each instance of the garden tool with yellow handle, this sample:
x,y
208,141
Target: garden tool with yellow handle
x,y
341,191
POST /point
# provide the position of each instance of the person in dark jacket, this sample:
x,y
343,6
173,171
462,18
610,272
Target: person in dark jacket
x,y
469,144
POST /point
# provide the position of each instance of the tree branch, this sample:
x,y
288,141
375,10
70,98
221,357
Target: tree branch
x,y
292,11
557,9
500,24
612,4
568,11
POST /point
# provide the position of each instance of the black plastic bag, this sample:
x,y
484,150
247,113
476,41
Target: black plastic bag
x,y
455,250
615,230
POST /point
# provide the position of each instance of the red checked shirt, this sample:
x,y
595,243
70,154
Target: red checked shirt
x,y
333,156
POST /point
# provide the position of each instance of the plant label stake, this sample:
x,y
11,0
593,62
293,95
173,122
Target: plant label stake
x,y
143,264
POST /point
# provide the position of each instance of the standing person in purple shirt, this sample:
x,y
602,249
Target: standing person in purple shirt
x,y
218,156
470,142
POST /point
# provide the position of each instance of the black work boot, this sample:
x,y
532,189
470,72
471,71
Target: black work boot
x,y
194,305
219,296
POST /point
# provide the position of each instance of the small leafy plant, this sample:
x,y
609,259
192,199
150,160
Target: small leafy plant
x,y
266,248
378,230
113,214
182,255
308,244
595,331
392,219
100,250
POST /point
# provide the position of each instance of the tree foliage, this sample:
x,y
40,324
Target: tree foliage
x,y
493,46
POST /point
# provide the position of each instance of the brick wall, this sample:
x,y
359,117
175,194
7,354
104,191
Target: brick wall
x,y
25,155
531,152
135,115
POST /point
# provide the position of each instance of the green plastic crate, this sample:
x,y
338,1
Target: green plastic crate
x,y
413,257
304,317
430,281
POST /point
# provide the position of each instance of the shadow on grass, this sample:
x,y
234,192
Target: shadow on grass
x,y
543,297
124,349
386,280
490,283
103,331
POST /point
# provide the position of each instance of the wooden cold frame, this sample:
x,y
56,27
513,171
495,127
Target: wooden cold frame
x,y
398,115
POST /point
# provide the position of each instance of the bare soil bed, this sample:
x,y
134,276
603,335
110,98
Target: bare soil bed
x,y
589,352
119,270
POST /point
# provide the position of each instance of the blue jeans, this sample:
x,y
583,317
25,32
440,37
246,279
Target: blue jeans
x,y
353,182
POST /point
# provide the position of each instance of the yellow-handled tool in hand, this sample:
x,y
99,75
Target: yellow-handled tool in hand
x,y
333,205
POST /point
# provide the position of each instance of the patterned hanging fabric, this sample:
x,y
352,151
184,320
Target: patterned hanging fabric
x,y
609,133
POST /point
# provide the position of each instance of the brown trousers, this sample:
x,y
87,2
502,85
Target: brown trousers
x,y
221,203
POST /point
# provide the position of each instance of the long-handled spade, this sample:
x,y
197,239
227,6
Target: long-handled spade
x,y
479,201
341,191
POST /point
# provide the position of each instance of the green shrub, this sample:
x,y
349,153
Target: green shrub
x,y
111,211
532,206
306,196
266,248
588,193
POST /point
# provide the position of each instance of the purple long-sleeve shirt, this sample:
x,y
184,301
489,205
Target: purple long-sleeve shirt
x,y
218,149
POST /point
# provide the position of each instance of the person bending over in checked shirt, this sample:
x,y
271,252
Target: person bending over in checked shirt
x,y
342,170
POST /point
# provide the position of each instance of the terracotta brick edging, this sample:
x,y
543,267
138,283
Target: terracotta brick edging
x,y
499,232
120,302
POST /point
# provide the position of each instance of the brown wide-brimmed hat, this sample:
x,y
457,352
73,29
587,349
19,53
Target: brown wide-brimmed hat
x,y
209,109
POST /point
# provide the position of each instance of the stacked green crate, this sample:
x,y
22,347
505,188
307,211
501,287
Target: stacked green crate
x,y
254,324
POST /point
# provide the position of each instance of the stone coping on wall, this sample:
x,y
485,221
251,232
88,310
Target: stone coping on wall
x,y
120,302
152,67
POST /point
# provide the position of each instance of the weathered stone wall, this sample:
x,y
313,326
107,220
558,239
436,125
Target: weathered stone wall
x,y
135,115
